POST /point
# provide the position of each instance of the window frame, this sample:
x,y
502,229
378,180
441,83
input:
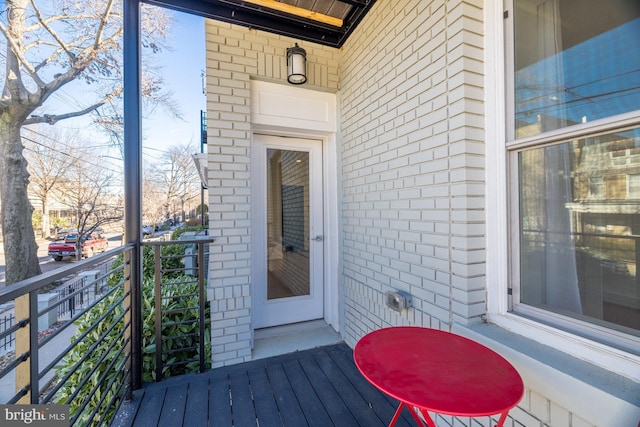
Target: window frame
x,y
601,193
630,194
618,354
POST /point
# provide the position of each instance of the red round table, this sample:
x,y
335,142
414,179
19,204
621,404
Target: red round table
x,y
431,370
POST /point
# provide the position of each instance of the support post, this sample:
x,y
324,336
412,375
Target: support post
x,y
22,346
133,177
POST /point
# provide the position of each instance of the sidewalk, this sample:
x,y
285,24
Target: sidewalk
x,y
46,355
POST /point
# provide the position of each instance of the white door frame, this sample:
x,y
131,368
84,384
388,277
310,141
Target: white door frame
x,y
285,110
293,309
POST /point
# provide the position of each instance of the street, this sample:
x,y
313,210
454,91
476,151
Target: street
x,y
47,263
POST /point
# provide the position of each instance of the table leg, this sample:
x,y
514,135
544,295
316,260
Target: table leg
x,y
414,414
396,415
428,418
503,418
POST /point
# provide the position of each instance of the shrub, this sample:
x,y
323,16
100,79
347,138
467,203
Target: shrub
x,y
180,339
180,231
83,364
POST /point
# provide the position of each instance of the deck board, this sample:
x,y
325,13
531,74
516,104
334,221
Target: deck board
x,y
241,401
354,401
175,401
197,407
331,398
318,387
219,405
381,404
288,404
265,404
149,413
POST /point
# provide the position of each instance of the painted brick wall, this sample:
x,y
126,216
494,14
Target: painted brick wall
x,y
413,164
234,56
413,161
412,156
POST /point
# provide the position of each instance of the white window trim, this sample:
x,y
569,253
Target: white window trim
x,y
497,208
630,194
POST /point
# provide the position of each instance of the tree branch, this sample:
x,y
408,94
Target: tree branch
x,y
103,25
54,118
17,51
51,31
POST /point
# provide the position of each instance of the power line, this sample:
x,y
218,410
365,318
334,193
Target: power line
x,y
69,155
62,143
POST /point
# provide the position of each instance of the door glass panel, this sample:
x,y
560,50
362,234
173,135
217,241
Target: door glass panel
x,y
287,223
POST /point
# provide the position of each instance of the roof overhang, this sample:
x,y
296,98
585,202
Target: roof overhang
x,y
327,22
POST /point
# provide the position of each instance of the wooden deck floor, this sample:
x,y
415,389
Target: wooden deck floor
x,y
319,387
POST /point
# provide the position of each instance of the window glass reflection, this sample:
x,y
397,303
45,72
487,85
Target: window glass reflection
x,y
287,224
580,229
575,61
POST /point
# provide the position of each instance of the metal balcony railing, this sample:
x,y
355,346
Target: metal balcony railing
x,y
76,347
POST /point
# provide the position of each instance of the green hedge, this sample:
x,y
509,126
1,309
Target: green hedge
x,y
107,337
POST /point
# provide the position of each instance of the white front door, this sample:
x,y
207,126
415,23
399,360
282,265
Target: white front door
x,y
288,236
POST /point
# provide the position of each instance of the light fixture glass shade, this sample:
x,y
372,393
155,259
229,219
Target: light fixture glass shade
x,y
296,65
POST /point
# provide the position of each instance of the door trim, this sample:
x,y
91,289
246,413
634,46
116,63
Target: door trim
x,y
299,123
280,311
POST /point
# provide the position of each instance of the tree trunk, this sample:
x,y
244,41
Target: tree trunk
x,y
19,240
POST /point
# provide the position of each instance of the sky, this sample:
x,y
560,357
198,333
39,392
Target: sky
x,y
181,67
182,70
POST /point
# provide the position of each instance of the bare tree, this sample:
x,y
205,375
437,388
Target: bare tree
x,y
49,44
86,190
48,163
177,175
153,207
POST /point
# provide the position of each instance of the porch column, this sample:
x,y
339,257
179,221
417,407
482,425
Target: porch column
x,y
133,179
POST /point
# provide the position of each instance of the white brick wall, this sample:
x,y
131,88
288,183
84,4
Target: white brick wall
x,y
234,56
413,177
413,164
410,83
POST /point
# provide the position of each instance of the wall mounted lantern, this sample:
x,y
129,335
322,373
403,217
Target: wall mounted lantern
x,y
296,65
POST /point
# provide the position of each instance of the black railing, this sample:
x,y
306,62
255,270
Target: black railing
x,y
181,321
7,341
53,361
85,359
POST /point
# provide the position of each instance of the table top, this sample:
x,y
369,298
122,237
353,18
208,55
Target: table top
x,y
438,371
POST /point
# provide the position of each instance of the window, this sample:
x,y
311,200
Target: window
x,y
633,186
578,196
596,187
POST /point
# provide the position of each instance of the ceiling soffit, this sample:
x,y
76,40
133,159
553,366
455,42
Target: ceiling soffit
x,y
327,22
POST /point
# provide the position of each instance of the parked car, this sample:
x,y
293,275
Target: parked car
x,y
91,244
62,233
147,230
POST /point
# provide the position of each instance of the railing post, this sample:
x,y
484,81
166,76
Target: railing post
x,y
157,258
201,303
23,341
26,307
129,334
33,347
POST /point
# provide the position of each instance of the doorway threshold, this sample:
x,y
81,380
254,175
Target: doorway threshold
x,y
291,338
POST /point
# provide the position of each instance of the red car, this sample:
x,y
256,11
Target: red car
x,y
91,244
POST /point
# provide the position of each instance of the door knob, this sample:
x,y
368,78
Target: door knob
x,y
318,238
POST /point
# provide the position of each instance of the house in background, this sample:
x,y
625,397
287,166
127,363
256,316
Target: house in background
x,y
477,155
